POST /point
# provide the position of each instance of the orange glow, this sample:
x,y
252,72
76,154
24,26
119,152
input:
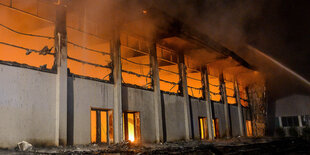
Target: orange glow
x,y
193,77
216,131
167,76
131,127
91,42
137,51
27,24
103,117
230,91
201,124
93,126
102,126
249,128
203,128
215,89
243,96
167,60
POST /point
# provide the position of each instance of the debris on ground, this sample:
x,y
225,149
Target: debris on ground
x,y
24,146
219,146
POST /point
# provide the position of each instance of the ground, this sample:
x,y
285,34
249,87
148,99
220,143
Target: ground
x,y
232,146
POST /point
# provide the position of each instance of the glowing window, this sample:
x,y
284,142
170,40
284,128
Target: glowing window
x,y
194,82
101,126
249,128
243,96
13,44
89,52
214,86
230,92
131,126
168,69
88,55
135,53
216,130
203,127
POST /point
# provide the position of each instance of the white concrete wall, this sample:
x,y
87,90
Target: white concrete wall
x,y
174,111
199,109
235,126
293,105
27,106
219,114
142,101
87,94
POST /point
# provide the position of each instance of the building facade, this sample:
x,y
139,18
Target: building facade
x,y
68,79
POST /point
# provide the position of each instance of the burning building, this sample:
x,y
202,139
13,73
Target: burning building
x,y
73,73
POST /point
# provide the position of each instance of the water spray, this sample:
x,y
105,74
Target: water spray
x,y
280,65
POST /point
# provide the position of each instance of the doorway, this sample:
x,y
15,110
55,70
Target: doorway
x,y
249,128
216,128
203,127
131,126
101,126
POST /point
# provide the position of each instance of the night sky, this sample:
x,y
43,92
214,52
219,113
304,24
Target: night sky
x,y
283,32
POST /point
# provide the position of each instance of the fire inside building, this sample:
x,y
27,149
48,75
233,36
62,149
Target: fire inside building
x,y
71,77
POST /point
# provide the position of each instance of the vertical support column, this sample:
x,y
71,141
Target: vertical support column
x,y
157,95
300,125
207,96
61,77
250,109
224,100
184,91
280,122
299,121
240,115
117,95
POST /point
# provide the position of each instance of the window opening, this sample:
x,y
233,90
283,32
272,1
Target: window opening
x,y
101,126
214,86
305,119
88,56
230,92
216,130
89,51
290,121
203,127
243,96
194,83
31,45
135,59
168,69
249,128
131,126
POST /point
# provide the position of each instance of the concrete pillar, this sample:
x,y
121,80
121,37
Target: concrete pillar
x,y
299,121
61,77
240,115
280,122
226,112
207,96
117,95
157,95
184,91
250,109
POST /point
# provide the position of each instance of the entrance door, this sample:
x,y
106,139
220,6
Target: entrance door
x,y
203,127
101,126
216,128
131,126
249,128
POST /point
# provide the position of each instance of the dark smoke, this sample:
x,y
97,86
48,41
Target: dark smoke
x,y
233,23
